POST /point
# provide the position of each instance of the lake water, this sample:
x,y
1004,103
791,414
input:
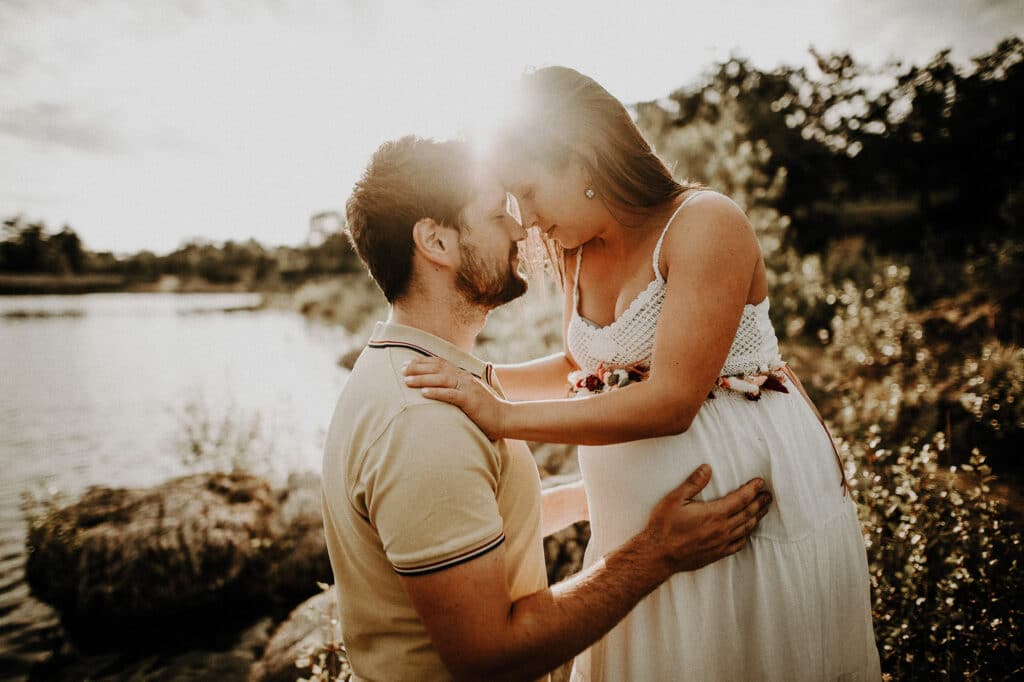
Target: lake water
x,y
99,389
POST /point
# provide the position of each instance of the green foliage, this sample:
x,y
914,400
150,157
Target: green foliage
x,y
899,152
945,562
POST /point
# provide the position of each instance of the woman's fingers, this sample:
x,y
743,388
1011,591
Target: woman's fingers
x,y
447,395
425,366
442,380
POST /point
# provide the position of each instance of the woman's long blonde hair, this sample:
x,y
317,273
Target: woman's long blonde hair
x,y
566,115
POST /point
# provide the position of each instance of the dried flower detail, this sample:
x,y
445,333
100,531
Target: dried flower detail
x,y
608,378
752,385
605,378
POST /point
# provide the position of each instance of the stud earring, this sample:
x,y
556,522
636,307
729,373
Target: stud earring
x,y
589,193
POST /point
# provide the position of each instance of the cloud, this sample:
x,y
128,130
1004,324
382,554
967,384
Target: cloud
x,y
57,123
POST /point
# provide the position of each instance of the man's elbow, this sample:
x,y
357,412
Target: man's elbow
x,y
464,668
475,671
472,663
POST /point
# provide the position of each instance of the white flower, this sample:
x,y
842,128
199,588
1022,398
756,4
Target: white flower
x,y
737,384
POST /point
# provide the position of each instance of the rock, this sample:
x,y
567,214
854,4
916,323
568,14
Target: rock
x,y
298,556
309,631
213,656
203,549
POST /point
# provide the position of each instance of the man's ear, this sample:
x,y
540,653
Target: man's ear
x,y
435,242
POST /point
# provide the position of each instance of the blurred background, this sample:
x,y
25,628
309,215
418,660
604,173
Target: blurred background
x,y
179,303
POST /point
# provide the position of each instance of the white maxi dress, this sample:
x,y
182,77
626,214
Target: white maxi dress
x,y
794,604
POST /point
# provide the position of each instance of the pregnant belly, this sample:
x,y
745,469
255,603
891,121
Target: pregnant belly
x,y
777,439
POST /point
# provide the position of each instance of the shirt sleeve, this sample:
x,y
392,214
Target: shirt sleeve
x,y
431,486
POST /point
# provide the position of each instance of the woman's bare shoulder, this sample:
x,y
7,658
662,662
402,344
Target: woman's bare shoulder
x,y
710,221
708,203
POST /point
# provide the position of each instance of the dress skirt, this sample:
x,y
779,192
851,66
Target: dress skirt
x,y
794,604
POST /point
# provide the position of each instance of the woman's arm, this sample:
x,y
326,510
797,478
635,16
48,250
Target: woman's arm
x,y
561,506
711,254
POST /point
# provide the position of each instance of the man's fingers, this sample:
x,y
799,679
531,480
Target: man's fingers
x,y
735,546
692,485
745,522
739,499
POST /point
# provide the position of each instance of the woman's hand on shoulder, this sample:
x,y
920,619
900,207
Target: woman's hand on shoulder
x,y
438,379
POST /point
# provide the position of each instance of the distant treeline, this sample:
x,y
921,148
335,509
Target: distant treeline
x,y
29,248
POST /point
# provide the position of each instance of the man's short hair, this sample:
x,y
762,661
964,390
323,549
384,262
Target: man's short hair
x,y
406,180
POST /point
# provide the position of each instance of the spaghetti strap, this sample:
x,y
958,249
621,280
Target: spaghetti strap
x,y
576,283
657,248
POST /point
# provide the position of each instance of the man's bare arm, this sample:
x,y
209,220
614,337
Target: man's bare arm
x,y
480,633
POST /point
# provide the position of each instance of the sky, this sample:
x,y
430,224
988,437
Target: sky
x,y
145,124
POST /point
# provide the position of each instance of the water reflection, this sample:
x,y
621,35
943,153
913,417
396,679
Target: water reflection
x,y
99,389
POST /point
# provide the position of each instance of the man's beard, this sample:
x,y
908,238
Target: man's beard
x,y
488,287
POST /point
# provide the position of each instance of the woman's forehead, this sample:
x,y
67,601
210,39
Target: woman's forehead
x,y
509,165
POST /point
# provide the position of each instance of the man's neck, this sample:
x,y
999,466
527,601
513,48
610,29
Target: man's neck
x,y
454,321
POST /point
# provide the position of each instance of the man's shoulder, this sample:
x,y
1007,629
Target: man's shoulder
x,y
382,420
378,376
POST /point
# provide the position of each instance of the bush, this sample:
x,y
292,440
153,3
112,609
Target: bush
x,y
945,562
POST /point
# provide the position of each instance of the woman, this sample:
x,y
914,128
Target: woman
x,y
667,337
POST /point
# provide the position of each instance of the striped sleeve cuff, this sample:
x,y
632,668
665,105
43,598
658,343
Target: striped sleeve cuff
x,y
462,558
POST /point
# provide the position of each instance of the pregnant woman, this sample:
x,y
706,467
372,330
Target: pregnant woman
x,y
672,361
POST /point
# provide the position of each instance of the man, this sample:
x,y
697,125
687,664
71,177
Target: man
x,y
434,531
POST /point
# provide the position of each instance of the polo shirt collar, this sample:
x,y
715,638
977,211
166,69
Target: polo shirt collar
x,y
392,335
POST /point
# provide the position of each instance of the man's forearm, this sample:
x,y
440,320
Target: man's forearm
x,y
549,627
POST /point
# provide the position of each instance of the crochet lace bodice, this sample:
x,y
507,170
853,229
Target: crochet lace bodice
x,y
629,339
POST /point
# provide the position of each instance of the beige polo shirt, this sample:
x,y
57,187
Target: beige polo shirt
x,y
411,486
